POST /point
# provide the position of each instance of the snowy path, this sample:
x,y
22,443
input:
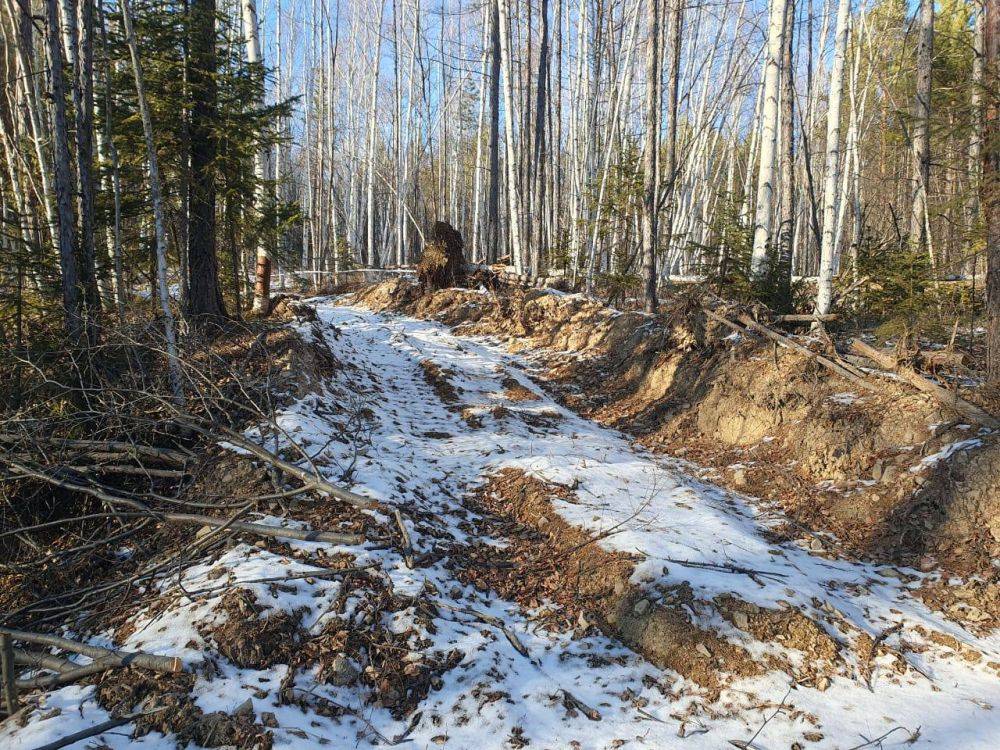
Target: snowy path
x,y
425,457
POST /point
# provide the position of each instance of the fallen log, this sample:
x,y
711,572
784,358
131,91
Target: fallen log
x,y
154,662
942,395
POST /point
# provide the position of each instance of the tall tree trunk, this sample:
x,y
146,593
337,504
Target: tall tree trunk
x,y
990,185
675,26
769,132
828,248
650,157
84,99
262,273
72,292
786,227
493,199
920,133
205,303
157,201
539,161
513,188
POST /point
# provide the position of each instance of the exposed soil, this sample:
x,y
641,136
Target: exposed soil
x,y
773,423
552,566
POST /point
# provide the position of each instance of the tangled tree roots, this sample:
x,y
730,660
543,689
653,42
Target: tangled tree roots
x,y
443,262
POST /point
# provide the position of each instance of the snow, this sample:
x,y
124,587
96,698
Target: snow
x,y
947,451
423,456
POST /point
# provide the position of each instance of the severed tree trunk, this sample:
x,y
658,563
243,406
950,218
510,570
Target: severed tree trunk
x,y
157,201
769,133
990,185
204,303
651,149
828,248
920,134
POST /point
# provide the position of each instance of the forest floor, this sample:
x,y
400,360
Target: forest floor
x,y
562,586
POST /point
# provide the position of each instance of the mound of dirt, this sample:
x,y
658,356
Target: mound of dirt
x,y
876,469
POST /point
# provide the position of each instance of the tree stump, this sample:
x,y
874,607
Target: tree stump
x,y
443,262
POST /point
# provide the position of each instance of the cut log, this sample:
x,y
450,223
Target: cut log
x,y
946,398
154,662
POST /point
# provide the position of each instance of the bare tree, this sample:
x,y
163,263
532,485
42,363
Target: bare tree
x,y
651,149
156,199
828,260
769,134
920,131
990,185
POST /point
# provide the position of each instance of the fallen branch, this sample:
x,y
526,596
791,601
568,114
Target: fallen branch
x,y
310,480
62,678
805,318
93,731
795,346
45,661
167,664
407,544
141,471
273,532
109,446
943,396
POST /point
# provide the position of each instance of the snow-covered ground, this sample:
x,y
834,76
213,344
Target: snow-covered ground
x,y
425,457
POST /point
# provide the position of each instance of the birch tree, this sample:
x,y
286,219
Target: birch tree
x,y
651,149
920,130
764,210
828,249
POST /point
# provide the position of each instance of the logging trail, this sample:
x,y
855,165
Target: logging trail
x,y
555,585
